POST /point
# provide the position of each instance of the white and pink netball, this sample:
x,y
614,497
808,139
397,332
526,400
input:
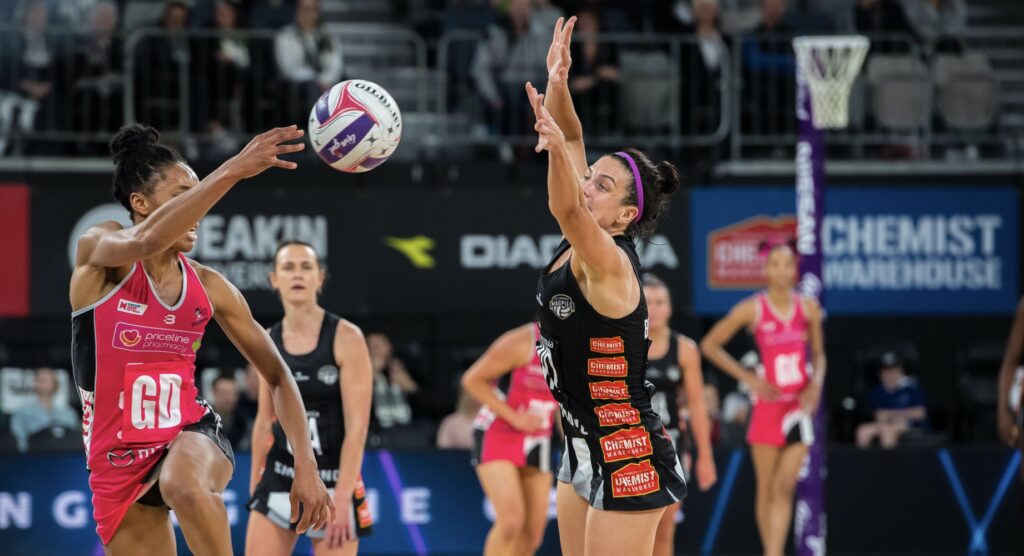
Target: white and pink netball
x,y
355,126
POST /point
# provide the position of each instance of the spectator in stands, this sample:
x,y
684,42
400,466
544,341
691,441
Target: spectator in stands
x,y
224,400
97,93
456,430
43,412
309,59
770,68
701,70
896,404
594,76
225,59
158,63
392,385
939,24
26,93
510,54
883,17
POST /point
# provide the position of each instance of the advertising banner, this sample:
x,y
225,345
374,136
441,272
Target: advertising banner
x,y
388,249
888,250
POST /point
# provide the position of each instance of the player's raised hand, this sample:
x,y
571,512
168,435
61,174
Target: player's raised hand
x,y
550,136
559,58
263,151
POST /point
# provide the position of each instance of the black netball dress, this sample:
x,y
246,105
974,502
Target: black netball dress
x,y
618,455
317,375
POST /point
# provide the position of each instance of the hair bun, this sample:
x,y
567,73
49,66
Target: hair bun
x,y
670,180
133,138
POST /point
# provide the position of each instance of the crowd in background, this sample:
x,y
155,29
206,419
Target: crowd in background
x,y
54,81
40,409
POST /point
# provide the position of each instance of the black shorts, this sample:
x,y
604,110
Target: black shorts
x,y
270,498
209,426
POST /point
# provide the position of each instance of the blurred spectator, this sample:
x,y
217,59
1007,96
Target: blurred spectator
x,y
42,413
392,385
225,59
544,16
224,397
456,430
26,94
158,61
939,24
701,70
770,67
245,409
308,58
594,76
97,93
896,404
883,17
510,55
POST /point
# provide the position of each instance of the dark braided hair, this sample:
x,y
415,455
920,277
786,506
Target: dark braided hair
x,y
659,182
138,158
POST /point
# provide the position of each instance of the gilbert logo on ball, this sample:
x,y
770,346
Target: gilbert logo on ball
x,y
355,126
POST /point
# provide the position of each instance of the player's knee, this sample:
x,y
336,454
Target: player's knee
x,y
783,488
180,492
535,537
511,523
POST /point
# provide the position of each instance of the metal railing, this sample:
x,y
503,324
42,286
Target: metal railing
x,y
209,90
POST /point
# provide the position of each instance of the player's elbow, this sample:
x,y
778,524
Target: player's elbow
x,y
707,346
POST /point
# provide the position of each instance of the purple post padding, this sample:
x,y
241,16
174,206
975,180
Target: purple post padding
x,y
637,183
344,142
809,519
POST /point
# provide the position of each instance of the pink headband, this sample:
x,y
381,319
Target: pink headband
x,y
637,183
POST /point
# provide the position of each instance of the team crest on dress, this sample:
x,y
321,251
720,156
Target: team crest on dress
x,y
328,374
562,306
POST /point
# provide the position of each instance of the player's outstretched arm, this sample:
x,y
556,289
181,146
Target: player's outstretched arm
x,y
596,248
557,98
109,245
234,317
512,349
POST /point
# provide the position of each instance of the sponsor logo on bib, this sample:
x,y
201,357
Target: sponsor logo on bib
x,y
609,390
626,444
130,337
635,479
608,345
131,307
608,366
617,414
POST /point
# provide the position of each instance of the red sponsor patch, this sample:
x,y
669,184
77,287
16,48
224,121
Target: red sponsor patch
x,y
608,345
608,366
734,260
626,444
365,519
609,390
617,414
635,479
360,490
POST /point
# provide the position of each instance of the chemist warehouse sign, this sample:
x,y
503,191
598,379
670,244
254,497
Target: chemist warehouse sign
x,y
887,250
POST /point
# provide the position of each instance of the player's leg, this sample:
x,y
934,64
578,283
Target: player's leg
x,y
193,475
783,486
350,548
537,498
500,481
144,530
572,520
665,538
606,532
765,458
866,434
264,538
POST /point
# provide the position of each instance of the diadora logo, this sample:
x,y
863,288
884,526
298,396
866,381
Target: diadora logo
x,y
162,340
131,307
416,249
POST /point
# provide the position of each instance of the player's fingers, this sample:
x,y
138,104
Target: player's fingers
x,y
286,164
558,31
567,31
331,510
307,515
295,508
290,148
290,135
